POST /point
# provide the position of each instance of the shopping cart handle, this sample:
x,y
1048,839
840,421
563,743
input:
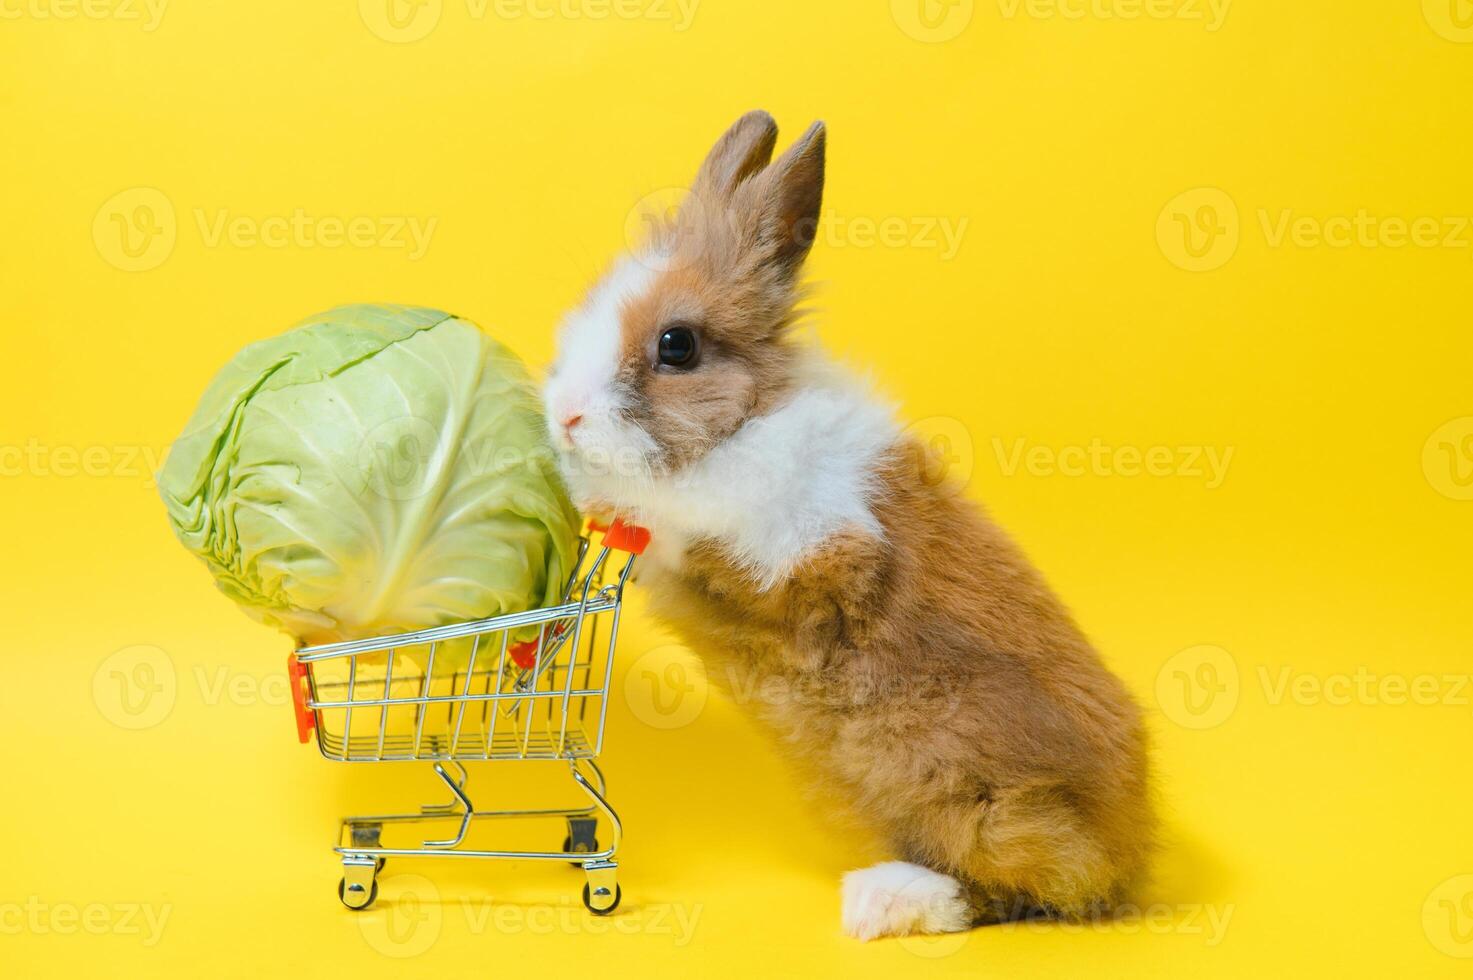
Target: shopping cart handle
x,y
626,537
296,674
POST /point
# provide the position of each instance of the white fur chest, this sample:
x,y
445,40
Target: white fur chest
x,y
779,487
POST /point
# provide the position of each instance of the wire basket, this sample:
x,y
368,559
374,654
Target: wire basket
x,y
526,686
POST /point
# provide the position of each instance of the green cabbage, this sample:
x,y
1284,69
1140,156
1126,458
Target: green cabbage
x,y
375,470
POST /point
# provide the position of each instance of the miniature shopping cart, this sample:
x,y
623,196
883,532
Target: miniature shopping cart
x,y
525,686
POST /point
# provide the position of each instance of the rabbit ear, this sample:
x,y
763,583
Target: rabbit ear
x,y
791,198
744,150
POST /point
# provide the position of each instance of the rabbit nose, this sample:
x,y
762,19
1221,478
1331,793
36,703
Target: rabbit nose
x,y
571,422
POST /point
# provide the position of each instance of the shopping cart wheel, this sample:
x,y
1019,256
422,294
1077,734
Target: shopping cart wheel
x,y
582,837
356,900
588,900
601,894
582,847
359,885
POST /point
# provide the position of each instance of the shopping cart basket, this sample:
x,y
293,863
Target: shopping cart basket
x,y
526,686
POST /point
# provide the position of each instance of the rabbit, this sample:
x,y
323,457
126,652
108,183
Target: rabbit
x,y
931,678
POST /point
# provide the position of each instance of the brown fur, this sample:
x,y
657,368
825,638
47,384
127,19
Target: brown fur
x,y
732,258
938,682
929,673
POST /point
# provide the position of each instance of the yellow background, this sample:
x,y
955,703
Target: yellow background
x,y
1078,150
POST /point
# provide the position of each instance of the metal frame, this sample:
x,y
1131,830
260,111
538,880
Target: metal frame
x,y
420,697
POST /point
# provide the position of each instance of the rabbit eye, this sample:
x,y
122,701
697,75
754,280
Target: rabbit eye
x,y
679,347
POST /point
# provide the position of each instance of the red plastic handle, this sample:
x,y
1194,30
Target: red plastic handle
x,y
296,674
627,537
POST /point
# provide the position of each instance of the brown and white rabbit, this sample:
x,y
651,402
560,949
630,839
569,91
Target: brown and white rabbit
x,y
933,677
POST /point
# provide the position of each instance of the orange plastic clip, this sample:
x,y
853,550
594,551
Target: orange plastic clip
x,y
296,673
524,655
627,537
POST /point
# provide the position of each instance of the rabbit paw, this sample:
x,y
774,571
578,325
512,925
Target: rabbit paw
x,y
901,899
